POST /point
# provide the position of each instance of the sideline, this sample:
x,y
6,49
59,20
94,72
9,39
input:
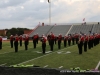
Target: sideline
x,y
97,66
44,55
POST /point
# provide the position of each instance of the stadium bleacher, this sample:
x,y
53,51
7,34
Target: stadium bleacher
x,y
66,29
81,29
60,29
96,28
41,30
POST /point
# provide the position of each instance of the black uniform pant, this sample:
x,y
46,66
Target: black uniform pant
x,y
80,47
51,44
73,41
94,42
0,45
34,43
11,43
43,47
65,43
20,42
69,42
77,40
37,40
59,44
85,46
26,45
89,44
16,46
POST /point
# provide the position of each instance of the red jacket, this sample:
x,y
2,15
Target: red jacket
x,y
0,39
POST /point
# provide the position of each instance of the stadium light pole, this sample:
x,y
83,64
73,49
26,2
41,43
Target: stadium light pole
x,y
49,12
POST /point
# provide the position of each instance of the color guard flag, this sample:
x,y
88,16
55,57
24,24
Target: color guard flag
x,y
83,19
48,1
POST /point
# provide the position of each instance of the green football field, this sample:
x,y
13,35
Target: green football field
x,y
64,58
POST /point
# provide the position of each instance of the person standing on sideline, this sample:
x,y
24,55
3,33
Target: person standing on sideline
x,y
0,42
43,40
20,40
11,40
16,43
26,42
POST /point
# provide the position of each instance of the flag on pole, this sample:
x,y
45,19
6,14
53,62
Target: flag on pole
x,y
48,1
84,23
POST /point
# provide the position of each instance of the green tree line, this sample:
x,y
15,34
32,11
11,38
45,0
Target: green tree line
x,y
14,31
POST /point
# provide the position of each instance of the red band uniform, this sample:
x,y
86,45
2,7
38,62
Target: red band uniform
x,y
11,41
20,40
80,43
34,40
52,41
59,41
65,40
43,44
85,43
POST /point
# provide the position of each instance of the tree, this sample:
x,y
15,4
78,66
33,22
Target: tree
x,y
14,31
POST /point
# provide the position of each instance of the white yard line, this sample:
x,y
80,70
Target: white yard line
x,y
60,67
44,55
45,66
97,65
3,64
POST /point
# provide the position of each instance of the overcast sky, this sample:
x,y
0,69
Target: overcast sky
x,y
28,13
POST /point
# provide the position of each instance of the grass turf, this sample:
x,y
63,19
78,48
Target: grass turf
x,y
88,60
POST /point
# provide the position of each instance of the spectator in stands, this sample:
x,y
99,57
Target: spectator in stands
x,y
11,40
0,42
